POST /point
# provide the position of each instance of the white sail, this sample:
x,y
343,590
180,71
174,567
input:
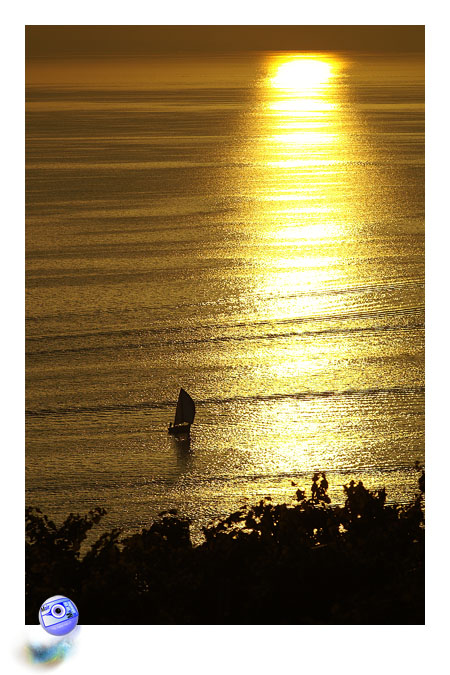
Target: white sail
x,y
185,411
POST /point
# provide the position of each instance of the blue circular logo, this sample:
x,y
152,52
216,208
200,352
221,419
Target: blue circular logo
x,y
58,615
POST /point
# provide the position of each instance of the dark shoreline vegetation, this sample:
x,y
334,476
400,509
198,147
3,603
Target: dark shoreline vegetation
x,y
302,563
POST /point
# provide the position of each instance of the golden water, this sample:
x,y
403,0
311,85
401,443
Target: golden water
x,y
249,227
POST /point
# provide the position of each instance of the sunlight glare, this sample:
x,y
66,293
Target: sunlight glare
x,y
302,73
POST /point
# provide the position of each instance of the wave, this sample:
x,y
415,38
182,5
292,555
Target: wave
x,y
167,333
162,405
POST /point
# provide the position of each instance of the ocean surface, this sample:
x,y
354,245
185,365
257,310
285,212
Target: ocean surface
x,y
249,227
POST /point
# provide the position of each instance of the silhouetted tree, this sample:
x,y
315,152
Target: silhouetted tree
x,y
300,562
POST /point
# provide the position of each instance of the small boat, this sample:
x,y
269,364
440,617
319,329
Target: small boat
x,y
184,415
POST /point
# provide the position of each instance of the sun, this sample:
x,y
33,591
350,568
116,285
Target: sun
x,y
302,73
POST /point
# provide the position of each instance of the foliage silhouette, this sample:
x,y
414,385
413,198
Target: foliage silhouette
x,y
303,562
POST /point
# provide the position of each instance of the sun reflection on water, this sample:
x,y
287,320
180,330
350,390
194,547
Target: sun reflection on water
x,y
303,112
303,147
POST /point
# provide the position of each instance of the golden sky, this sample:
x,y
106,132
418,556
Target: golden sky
x,y
62,41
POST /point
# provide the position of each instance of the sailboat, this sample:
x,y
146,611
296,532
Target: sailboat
x,y
184,415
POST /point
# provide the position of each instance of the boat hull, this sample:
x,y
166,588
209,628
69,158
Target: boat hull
x,y
179,429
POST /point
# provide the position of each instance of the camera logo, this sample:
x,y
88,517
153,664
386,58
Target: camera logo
x,y
58,615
